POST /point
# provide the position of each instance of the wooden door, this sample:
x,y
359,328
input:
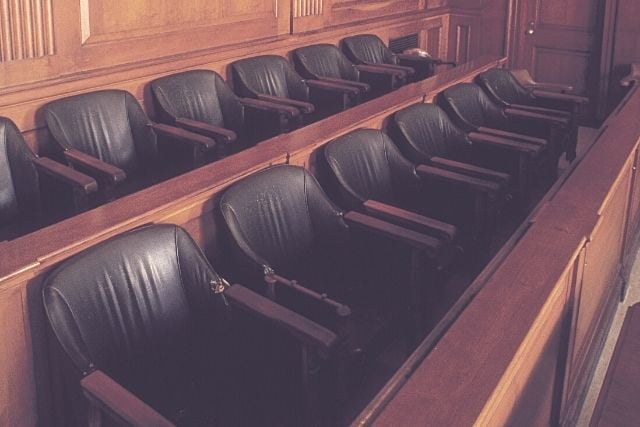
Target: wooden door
x,y
558,41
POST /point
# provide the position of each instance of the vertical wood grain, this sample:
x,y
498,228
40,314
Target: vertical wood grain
x,y
26,29
303,8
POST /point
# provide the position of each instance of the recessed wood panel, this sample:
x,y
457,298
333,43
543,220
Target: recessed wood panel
x,y
562,66
463,43
573,14
433,41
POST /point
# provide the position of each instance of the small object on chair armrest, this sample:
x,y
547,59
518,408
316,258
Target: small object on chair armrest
x,y
395,232
119,403
306,107
112,173
431,172
560,96
416,58
498,142
363,87
333,87
515,112
632,77
513,136
198,132
302,328
471,170
548,111
411,220
258,104
376,69
65,174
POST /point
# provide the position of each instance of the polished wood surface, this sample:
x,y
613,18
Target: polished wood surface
x,y
617,403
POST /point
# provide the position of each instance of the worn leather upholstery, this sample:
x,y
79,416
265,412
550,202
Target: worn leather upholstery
x,y
368,49
269,75
109,125
426,131
200,95
323,60
19,188
472,108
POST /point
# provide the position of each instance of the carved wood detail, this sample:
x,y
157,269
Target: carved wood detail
x,y
303,8
26,29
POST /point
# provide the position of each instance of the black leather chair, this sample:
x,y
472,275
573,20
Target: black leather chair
x,y
327,63
508,92
200,101
369,167
271,78
21,174
152,335
425,135
358,275
473,111
106,135
370,50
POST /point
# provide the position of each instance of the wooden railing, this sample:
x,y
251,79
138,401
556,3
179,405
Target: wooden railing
x,y
523,349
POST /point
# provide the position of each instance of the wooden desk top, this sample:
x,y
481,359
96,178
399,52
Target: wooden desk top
x,y
619,399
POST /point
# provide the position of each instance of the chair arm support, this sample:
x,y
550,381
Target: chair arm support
x,y
103,170
258,104
530,115
305,107
513,136
333,87
200,133
302,328
377,69
119,403
475,184
549,111
416,240
507,144
411,220
362,87
560,96
407,70
471,170
67,175
632,77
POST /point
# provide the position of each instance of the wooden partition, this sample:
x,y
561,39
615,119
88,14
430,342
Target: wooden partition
x,y
523,350
189,200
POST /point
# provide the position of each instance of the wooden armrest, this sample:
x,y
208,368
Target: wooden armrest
x,y
375,69
412,220
418,60
503,143
67,175
104,170
476,184
523,76
305,107
395,232
471,170
362,87
524,114
333,87
407,70
206,134
560,96
258,104
302,328
119,403
549,111
513,136
633,76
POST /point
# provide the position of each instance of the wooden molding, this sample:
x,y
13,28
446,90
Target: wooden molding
x,y
27,29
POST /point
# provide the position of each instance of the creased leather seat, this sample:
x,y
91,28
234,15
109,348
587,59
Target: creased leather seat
x,y
272,78
506,90
157,336
368,166
201,101
370,49
21,207
107,135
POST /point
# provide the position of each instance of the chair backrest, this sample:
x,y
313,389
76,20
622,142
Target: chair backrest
x,y
368,48
426,131
109,125
368,165
503,87
277,216
200,95
122,304
269,75
19,189
470,106
323,60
